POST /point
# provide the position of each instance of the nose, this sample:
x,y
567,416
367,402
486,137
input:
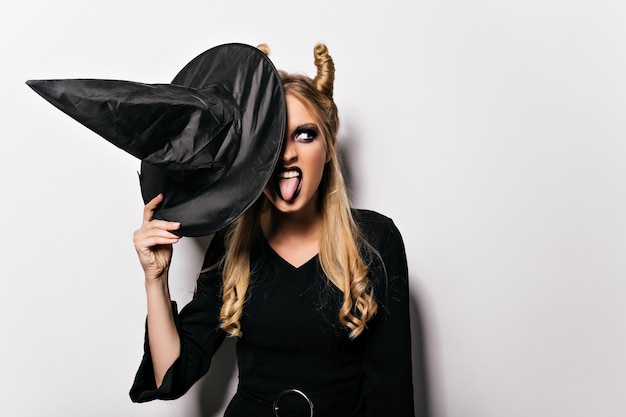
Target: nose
x,y
289,153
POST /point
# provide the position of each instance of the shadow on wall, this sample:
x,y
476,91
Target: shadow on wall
x,y
347,166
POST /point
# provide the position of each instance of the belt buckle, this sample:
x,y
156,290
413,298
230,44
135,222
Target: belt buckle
x,y
295,392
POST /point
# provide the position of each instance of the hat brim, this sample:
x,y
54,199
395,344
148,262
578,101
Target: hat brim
x,y
256,87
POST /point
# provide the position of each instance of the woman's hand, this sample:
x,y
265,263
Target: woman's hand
x,y
153,242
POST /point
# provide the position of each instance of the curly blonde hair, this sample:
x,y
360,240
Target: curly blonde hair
x,y
341,246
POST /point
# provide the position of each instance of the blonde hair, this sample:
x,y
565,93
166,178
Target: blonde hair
x,y
342,247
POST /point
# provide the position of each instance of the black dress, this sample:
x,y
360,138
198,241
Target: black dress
x,y
292,338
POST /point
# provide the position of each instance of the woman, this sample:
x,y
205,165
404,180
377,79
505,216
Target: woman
x,y
315,292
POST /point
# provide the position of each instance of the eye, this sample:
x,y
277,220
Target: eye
x,y
305,134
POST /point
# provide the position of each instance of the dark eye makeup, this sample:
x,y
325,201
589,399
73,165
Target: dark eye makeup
x,y
305,133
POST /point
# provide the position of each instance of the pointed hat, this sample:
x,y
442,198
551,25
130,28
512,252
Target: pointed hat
x,y
209,140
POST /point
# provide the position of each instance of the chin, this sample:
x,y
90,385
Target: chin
x,y
285,207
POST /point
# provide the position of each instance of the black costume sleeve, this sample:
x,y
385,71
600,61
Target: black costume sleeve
x,y
387,359
200,336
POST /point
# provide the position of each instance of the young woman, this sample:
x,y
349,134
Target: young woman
x,y
315,292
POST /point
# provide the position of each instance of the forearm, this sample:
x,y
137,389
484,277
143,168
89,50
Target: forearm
x,y
162,334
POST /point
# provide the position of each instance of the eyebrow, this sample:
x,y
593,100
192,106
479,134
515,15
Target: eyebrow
x,y
306,126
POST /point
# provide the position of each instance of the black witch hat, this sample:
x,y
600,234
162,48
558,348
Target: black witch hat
x,y
209,140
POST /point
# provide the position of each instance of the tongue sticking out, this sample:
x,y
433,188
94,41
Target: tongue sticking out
x,y
289,188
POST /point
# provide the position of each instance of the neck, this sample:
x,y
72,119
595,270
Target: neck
x,y
294,236
304,224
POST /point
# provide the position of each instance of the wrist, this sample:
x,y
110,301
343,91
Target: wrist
x,y
158,283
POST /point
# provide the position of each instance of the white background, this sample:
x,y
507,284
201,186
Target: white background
x,y
492,132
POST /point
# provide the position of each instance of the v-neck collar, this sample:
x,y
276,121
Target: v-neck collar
x,y
282,260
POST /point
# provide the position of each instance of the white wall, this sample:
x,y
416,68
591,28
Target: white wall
x,y
492,132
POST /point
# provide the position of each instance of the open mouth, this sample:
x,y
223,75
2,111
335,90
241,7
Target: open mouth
x,y
288,183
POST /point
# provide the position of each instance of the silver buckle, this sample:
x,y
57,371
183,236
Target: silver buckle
x,y
287,392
